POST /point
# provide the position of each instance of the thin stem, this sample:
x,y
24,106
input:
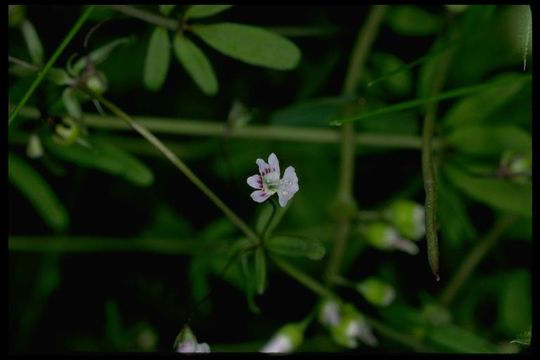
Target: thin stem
x,y
149,17
264,233
175,126
52,60
179,164
428,172
365,39
21,62
469,264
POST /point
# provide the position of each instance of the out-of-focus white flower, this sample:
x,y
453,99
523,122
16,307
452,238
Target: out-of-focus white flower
x,y
376,291
383,236
288,338
351,328
329,314
268,181
186,342
408,217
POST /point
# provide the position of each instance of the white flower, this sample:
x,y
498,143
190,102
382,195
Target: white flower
x,y
358,329
186,342
268,181
330,314
278,344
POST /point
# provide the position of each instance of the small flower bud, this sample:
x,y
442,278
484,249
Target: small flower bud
x,y
408,218
186,342
97,83
376,291
34,149
384,237
66,132
329,313
352,328
288,338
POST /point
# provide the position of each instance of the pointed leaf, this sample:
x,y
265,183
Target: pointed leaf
x,y
201,11
33,43
260,270
71,103
99,55
196,64
38,192
250,44
157,59
296,246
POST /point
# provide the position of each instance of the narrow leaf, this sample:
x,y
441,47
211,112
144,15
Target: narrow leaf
x,y
157,59
166,9
38,192
250,44
499,193
71,103
33,43
196,64
296,246
249,281
413,21
100,54
103,156
260,271
201,11
456,339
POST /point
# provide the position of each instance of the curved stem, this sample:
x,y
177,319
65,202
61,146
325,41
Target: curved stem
x,y
179,164
264,233
149,17
52,60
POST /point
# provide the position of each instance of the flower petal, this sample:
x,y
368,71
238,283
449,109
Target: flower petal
x,y
288,186
274,164
264,168
255,181
260,195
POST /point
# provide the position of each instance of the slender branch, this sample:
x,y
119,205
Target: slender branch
x,y
365,39
179,164
174,126
469,264
428,172
50,63
23,63
149,17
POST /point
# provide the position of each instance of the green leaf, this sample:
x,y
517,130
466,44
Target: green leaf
x,y
166,9
413,21
515,307
498,193
201,11
248,271
71,103
315,112
400,82
260,270
33,43
523,339
59,77
100,54
456,339
114,331
296,246
105,157
157,59
481,107
196,64
250,44
38,192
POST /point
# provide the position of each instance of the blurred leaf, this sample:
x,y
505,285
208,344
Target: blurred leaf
x,y
499,193
489,140
199,285
480,107
455,224
167,223
33,43
100,13
105,157
250,44
515,307
196,64
201,11
315,112
59,76
523,339
455,339
157,59
113,326
38,192
296,246
71,103
221,228
399,83
100,54
166,9
260,270
250,285
413,21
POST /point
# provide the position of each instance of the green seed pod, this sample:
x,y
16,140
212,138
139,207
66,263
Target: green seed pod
x,y
384,237
352,328
408,218
376,291
97,83
66,132
34,149
16,15
295,332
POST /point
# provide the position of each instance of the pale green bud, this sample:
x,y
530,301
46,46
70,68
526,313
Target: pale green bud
x,y
376,291
34,149
384,237
408,218
66,132
97,83
286,340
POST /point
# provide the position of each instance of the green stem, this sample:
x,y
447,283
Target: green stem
x,y
52,60
179,164
428,172
365,39
149,17
469,264
264,233
174,126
